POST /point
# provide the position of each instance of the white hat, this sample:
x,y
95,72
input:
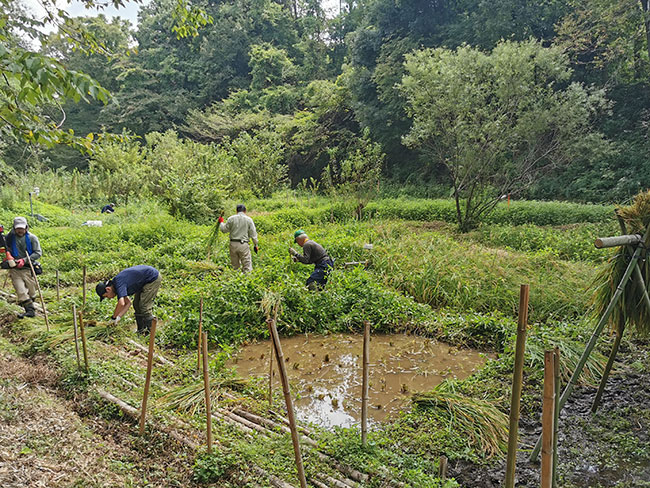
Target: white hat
x,y
20,223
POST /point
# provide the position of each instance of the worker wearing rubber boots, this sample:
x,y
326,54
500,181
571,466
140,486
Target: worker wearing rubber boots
x,y
20,244
313,253
242,230
143,282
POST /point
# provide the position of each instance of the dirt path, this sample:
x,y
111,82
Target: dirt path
x,y
49,441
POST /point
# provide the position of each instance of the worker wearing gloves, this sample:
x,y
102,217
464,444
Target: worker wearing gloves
x,y
141,281
242,229
20,243
313,253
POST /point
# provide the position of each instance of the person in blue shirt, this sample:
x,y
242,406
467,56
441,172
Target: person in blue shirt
x,y
110,208
143,282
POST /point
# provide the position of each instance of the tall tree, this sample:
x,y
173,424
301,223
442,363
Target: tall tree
x,y
497,121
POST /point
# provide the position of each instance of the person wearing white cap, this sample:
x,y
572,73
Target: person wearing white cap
x,y
21,244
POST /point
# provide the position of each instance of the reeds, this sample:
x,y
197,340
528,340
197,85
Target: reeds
x,y
570,353
190,398
630,307
480,422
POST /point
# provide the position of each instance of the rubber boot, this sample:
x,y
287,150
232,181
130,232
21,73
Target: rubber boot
x,y
30,311
144,324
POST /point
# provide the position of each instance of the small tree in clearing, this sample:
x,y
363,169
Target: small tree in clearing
x,y
358,175
497,121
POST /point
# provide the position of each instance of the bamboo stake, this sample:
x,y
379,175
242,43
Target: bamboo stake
x,y
287,398
556,411
6,279
547,419
84,287
206,382
58,293
147,383
76,340
442,468
83,340
364,388
608,368
198,354
595,334
517,380
40,293
271,376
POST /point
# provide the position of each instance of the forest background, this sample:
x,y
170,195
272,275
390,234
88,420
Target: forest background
x,y
260,94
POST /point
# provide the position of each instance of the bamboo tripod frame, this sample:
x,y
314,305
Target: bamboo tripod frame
x,y
596,333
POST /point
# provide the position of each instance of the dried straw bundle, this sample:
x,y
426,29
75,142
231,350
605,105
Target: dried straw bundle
x,y
631,307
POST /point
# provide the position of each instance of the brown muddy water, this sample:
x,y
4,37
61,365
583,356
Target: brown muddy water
x,y
325,372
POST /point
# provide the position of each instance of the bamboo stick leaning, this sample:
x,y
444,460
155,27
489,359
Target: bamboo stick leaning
x,y
147,383
517,381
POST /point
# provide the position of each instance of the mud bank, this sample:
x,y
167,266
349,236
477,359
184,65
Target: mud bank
x,y
608,449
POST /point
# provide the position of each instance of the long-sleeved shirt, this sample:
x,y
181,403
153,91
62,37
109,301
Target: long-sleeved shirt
x,y
241,228
37,252
312,253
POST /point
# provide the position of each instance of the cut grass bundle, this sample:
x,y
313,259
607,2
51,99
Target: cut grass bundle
x,y
631,307
483,424
190,398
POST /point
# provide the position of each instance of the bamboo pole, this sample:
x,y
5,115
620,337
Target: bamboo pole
x,y
517,380
206,383
84,287
596,333
547,419
76,340
40,293
287,398
442,468
556,411
147,382
608,368
83,340
200,336
6,279
271,375
364,388
58,293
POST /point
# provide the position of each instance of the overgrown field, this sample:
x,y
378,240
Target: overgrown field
x,y
422,277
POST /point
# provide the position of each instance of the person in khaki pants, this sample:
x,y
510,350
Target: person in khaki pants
x,y
20,244
141,281
242,229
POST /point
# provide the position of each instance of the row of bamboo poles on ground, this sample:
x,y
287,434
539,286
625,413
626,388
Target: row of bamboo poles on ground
x,y
550,405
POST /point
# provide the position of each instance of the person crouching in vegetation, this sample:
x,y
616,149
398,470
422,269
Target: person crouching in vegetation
x,y
20,244
141,281
242,229
313,253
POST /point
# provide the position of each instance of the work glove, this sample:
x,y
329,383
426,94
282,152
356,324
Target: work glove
x,y
255,248
293,252
115,320
220,220
20,263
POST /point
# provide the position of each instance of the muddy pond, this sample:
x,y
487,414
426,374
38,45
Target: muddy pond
x,y
325,372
